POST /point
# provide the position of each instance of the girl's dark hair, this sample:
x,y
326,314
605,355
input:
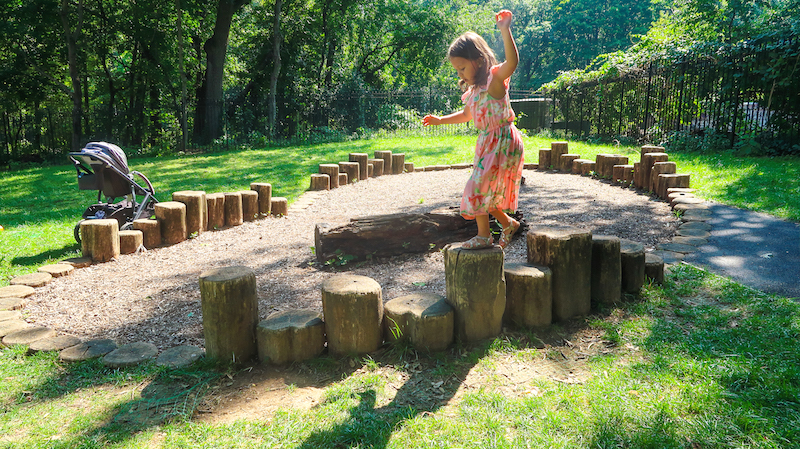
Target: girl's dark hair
x,y
471,46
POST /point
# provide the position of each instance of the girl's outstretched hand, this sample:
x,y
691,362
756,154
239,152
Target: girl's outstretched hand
x,y
503,18
429,120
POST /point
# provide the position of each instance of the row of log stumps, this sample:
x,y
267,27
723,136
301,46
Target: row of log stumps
x,y
188,214
359,167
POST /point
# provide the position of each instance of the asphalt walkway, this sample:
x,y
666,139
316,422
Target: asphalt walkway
x,y
752,248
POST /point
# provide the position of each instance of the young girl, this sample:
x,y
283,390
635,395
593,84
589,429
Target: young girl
x,y
493,187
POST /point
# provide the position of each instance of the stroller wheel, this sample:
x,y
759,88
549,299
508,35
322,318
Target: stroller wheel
x,y
77,231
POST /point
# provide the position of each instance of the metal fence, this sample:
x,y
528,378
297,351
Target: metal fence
x,y
745,94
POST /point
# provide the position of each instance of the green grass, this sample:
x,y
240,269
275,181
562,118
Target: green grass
x,y
699,362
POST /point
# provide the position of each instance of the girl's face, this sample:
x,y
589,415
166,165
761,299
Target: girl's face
x,y
465,68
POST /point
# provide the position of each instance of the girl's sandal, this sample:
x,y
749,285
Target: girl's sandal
x,y
508,232
478,242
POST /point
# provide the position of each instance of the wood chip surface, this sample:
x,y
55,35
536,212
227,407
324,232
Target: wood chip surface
x,y
155,297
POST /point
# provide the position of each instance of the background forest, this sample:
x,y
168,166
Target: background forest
x,y
158,77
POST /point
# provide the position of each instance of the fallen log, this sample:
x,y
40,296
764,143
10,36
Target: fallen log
x,y
393,234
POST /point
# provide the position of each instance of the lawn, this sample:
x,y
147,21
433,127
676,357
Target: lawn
x,y
698,362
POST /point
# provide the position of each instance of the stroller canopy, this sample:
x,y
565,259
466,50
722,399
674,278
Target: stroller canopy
x,y
108,153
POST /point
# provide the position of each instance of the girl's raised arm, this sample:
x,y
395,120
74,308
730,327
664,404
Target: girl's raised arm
x,y
497,87
462,116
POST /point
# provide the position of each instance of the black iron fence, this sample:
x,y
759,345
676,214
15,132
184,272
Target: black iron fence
x,y
747,96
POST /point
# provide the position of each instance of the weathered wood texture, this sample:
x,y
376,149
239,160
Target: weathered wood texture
x,y
130,241
249,205
353,310
556,150
398,163
151,232
215,206
387,160
229,304
567,251
529,295
393,234
545,158
606,269
290,336
264,190
332,170
233,209
196,209
476,290
361,160
423,319
320,182
100,239
171,216
632,259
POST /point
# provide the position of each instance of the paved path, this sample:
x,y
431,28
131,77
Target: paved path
x,y
752,248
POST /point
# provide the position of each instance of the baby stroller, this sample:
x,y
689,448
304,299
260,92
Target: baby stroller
x,y
103,167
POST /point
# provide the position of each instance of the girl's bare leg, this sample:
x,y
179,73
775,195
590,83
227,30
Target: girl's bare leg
x,y
483,225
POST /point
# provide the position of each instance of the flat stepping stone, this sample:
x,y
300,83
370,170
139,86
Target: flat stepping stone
x,y
688,240
693,232
16,291
180,356
78,262
57,269
130,354
10,315
57,343
696,215
87,350
695,225
11,303
28,335
423,319
32,279
290,336
685,199
10,326
669,257
684,207
676,247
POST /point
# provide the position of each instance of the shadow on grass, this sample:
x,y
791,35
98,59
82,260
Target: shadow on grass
x,y
41,258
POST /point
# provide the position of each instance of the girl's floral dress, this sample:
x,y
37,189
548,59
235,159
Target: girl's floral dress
x,y
497,168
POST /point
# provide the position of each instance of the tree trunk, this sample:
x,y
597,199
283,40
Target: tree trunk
x,y
276,68
207,124
76,94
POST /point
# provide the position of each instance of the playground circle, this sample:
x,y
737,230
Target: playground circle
x,y
154,296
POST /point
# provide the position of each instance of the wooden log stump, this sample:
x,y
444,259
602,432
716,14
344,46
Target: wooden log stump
x,y
565,162
280,206
408,167
673,180
377,166
606,269
27,336
556,150
577,165
342,179
476,290
264,190
353,310
215,206
529,295
34,280
229,305
588,167
398,163
57,270
654,268
632,261
567,252
57,343
658,168
545,159
332,170
290,336
196,210
350,169
361,159
171,216
100,239
320,182
151,232
250,208
16,291
233,209
391,235
130,241
622,174
646,166
370,170
425,320
651,149
606,162
637,175
387,161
